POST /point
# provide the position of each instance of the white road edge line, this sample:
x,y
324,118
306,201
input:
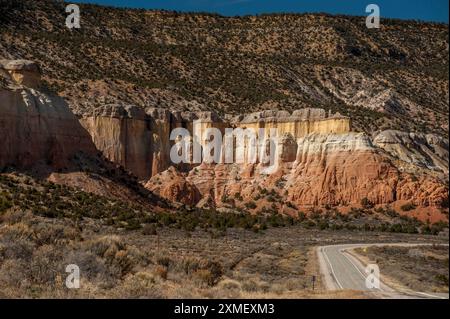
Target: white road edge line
x,y
331,267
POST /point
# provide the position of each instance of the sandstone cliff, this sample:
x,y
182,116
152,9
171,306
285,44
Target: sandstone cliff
x,y
328,169
42,136
138,139
320,161
36,128
122,134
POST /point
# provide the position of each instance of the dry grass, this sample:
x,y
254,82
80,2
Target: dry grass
x,y
278,263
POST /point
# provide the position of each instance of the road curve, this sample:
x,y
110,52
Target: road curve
x,y
341,270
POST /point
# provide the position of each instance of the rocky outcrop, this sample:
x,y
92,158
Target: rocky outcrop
x,y
123,134
415,151
161,124
41,135
328,169
36,128
298,124
171,184
318,160
22,72
138,139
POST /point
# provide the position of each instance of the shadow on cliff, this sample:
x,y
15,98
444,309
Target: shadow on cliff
x,y
42,138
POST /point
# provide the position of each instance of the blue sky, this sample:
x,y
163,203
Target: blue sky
x,y
428,10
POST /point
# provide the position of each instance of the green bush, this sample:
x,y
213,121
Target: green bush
x,y
366,203
407,207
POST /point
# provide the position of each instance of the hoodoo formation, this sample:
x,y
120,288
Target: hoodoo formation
x,y
321,161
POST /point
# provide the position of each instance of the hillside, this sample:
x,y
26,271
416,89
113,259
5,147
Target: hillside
x,y
353,148
392,78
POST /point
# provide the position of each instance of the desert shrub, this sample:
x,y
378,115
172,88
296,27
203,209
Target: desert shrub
x,y
391,213
323,224
275,220
103,245
16,232
12,272
366,203
133,224
280,182
407,207
204,276
250,286
164,261
444,203
442,279
301,216
138,286
229,284
116,254
16,249
149,229
396,228
44,265
250,205
209,272
161,272
308,224
291,205
189,265
5,204
46,234
434,229
92,267
121,262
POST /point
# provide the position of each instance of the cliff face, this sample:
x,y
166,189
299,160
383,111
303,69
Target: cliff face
x,y
41,135
36,128
140,141
122,134
298,124
328,169
319,162
415,151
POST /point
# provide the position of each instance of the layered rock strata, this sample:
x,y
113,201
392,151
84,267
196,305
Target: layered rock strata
x,y
415,150
319,160
328,169
140,139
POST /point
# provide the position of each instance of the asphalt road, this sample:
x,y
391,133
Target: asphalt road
x,y
341,270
